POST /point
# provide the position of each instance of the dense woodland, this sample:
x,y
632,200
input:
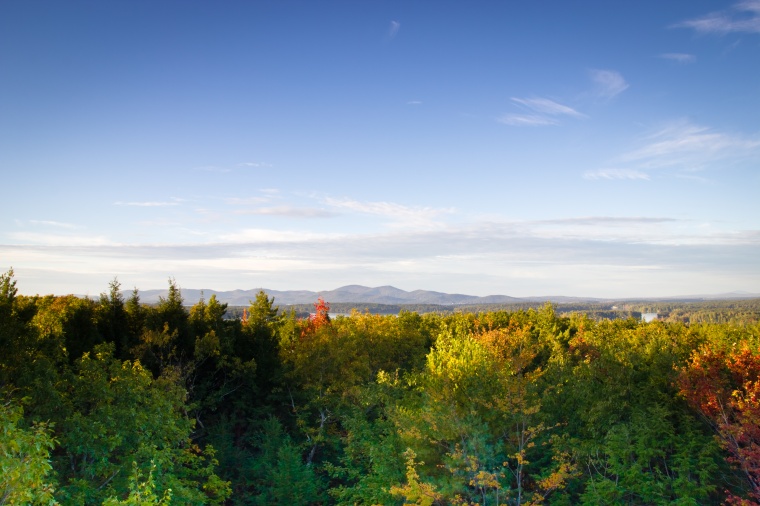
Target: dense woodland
x,y
739,311
113,401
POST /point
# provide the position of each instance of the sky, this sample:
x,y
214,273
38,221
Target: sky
x,y
523,148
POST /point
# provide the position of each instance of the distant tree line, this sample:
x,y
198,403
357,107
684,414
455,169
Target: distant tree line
x,y
739,311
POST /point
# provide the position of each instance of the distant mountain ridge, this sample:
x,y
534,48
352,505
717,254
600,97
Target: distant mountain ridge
x,y
349,293
387,295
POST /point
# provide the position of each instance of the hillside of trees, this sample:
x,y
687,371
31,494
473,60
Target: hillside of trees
x,y
740,311
112,401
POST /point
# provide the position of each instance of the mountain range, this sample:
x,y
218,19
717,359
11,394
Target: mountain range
x,y
387,295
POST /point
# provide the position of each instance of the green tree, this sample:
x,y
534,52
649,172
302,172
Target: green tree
x,y
171,314
652,460
472,420
70,321
113,320
120,414
25,469
141,492
136,319
372,455
11,330
206,317
611,384
282,476
218,375
259,342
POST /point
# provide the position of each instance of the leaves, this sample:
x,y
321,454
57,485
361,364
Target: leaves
x,y
25,469
724,385
124,401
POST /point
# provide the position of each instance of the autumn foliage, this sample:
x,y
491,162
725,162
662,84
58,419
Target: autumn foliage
x,y
319,318
724,386
114,401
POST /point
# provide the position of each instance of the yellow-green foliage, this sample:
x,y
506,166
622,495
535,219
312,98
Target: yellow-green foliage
x,y
520,408
25,469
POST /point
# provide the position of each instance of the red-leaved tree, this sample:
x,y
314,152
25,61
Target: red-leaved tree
x,y
319,318
725,388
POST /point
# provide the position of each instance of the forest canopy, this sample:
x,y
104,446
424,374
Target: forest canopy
x,y
113,401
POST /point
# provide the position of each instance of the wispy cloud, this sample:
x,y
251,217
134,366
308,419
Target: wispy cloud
x,y
692,177
741,17
227,169
399,214
42,239
56,224
255,165
621,229
541,112
247,201
212,168
680,148
608,220
678,57
610,252
609,174
684,145
393,29
511,238
527,120
546,106
266,195
253,236
609,83
288,212
147,204
414,102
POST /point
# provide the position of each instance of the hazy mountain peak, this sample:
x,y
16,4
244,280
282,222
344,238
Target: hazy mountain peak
x,y
379,295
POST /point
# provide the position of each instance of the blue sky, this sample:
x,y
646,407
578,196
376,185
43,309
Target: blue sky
x,y
589,148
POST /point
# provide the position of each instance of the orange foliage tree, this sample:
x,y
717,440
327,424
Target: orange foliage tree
x,y
725,388
319,318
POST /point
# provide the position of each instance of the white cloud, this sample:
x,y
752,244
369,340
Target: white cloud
x,y
147,204
264,236
612,253
226,170
542,112
393,29
546,106
414,102
41,239
247,201
255,165
607,220
681,148
213,168
692,177
616,174
527,120
609,83
49,223
257,206
399,214
288,212
679,57
741,17
688,146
